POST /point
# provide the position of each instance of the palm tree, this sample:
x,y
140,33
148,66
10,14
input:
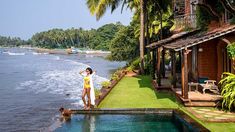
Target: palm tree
x,y
98,8
142,32
141,7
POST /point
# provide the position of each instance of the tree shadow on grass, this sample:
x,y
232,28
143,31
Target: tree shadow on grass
x,y
145,82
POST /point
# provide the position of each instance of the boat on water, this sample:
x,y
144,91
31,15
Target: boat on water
x,y
97,52
72,50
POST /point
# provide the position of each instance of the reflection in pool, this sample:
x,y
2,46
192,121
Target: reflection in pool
x,y
126,122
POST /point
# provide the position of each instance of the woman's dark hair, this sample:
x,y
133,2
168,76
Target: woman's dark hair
x,y
89,69
61,109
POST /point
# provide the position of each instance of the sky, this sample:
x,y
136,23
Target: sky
x,y
23,18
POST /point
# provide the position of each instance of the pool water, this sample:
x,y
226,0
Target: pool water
x,y
114,122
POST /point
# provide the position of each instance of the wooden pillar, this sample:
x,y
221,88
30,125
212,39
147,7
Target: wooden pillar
x,y
173,67
163,69
195,62
154,63
187,7
159,66
180,56
184,73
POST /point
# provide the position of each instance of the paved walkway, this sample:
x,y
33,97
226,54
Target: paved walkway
x,y
137,92
212,114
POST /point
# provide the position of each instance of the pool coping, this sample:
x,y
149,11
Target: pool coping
x,y
163,111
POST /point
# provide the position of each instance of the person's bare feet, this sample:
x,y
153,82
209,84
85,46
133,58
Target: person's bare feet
x,y
85,107
88,108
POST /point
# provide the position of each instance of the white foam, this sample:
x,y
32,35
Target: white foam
x,y
57,58
36,53
61,82
13,53
76,63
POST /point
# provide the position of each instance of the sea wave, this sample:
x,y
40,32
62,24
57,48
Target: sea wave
x,y
62,82
13,53
76,63
57,58
36,53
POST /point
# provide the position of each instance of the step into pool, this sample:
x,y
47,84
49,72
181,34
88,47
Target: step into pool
x,y
131,120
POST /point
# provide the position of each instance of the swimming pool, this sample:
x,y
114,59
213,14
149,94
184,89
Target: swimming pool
x,y
131,120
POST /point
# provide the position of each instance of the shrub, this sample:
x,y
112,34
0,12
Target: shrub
x,y
115,77
97,92
136,63
203,18
130,68
172,79
105,84
118,72
232,20
228,90
231,50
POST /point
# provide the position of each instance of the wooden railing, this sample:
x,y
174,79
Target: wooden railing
x,y
185,22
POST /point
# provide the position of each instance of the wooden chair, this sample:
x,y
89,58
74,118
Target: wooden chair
x,y
210,85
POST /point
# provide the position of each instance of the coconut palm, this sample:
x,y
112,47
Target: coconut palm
x,y
99,7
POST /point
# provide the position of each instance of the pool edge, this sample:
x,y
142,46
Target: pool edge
x,y
163,111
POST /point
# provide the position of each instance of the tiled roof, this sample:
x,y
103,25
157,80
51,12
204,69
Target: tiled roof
x,y
187,41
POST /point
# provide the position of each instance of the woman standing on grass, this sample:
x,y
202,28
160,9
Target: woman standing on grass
x,y
88,88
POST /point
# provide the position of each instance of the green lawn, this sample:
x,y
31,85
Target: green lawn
x,y
220,127
137,92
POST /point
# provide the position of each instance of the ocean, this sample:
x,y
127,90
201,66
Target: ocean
x,y
33,86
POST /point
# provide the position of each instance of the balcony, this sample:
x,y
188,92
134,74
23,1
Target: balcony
x,y
185,22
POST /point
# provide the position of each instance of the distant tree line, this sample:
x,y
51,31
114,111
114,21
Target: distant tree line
x,y
98,39
117,38
12,41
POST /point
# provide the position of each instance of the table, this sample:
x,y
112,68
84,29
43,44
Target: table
x,y
192,84
210,82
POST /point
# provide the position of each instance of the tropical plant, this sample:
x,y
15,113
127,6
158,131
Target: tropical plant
x,y
12,41
99,39
97,92
124,47
148,13
231,52
105,84
134,65
98,8
228,90
203,18
172,80
115,77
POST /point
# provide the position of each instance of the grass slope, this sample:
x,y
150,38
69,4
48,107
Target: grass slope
x,y
137,92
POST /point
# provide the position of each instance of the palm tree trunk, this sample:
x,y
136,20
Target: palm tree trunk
x,y
142,33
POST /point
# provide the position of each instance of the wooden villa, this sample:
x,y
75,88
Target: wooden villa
x,y
195,56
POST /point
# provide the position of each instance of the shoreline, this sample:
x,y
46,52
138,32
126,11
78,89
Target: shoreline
x,y
65,51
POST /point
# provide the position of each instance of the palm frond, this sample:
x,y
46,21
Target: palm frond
x,y
228,90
